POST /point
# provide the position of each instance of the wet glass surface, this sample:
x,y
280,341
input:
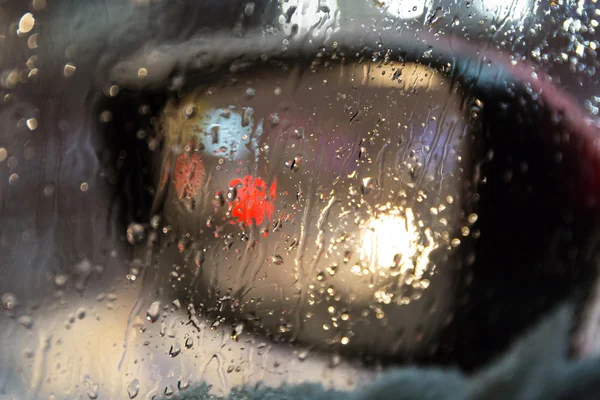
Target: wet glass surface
x,y
246,192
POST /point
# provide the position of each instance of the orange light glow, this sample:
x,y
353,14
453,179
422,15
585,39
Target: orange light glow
x,y
189,175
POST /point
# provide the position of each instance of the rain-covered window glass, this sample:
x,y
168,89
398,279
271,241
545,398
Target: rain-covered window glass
x,y
206,198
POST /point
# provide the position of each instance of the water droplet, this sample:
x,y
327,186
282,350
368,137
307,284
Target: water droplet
x,y
250,92
332,270
92,388
32,124
112,297
183,384
362,153
189,112
26,23
274,118
13,179
61,280
247,116
473,218
175,350
225,113
231,194
347,256
12,162
182,244
249,9
113,90
153,311
277,259
84,187
366,185
26,321
177,304
297,134
237,330
219,200
9,301
334,361
302,354
214,134
189,343
69,70
295,164
80,313
168,391
135,233
32,41
133,389
48,190
3,154
105,116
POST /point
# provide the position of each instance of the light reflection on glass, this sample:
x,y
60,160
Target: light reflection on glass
x,y
404,9
514,10
316,17
393,245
